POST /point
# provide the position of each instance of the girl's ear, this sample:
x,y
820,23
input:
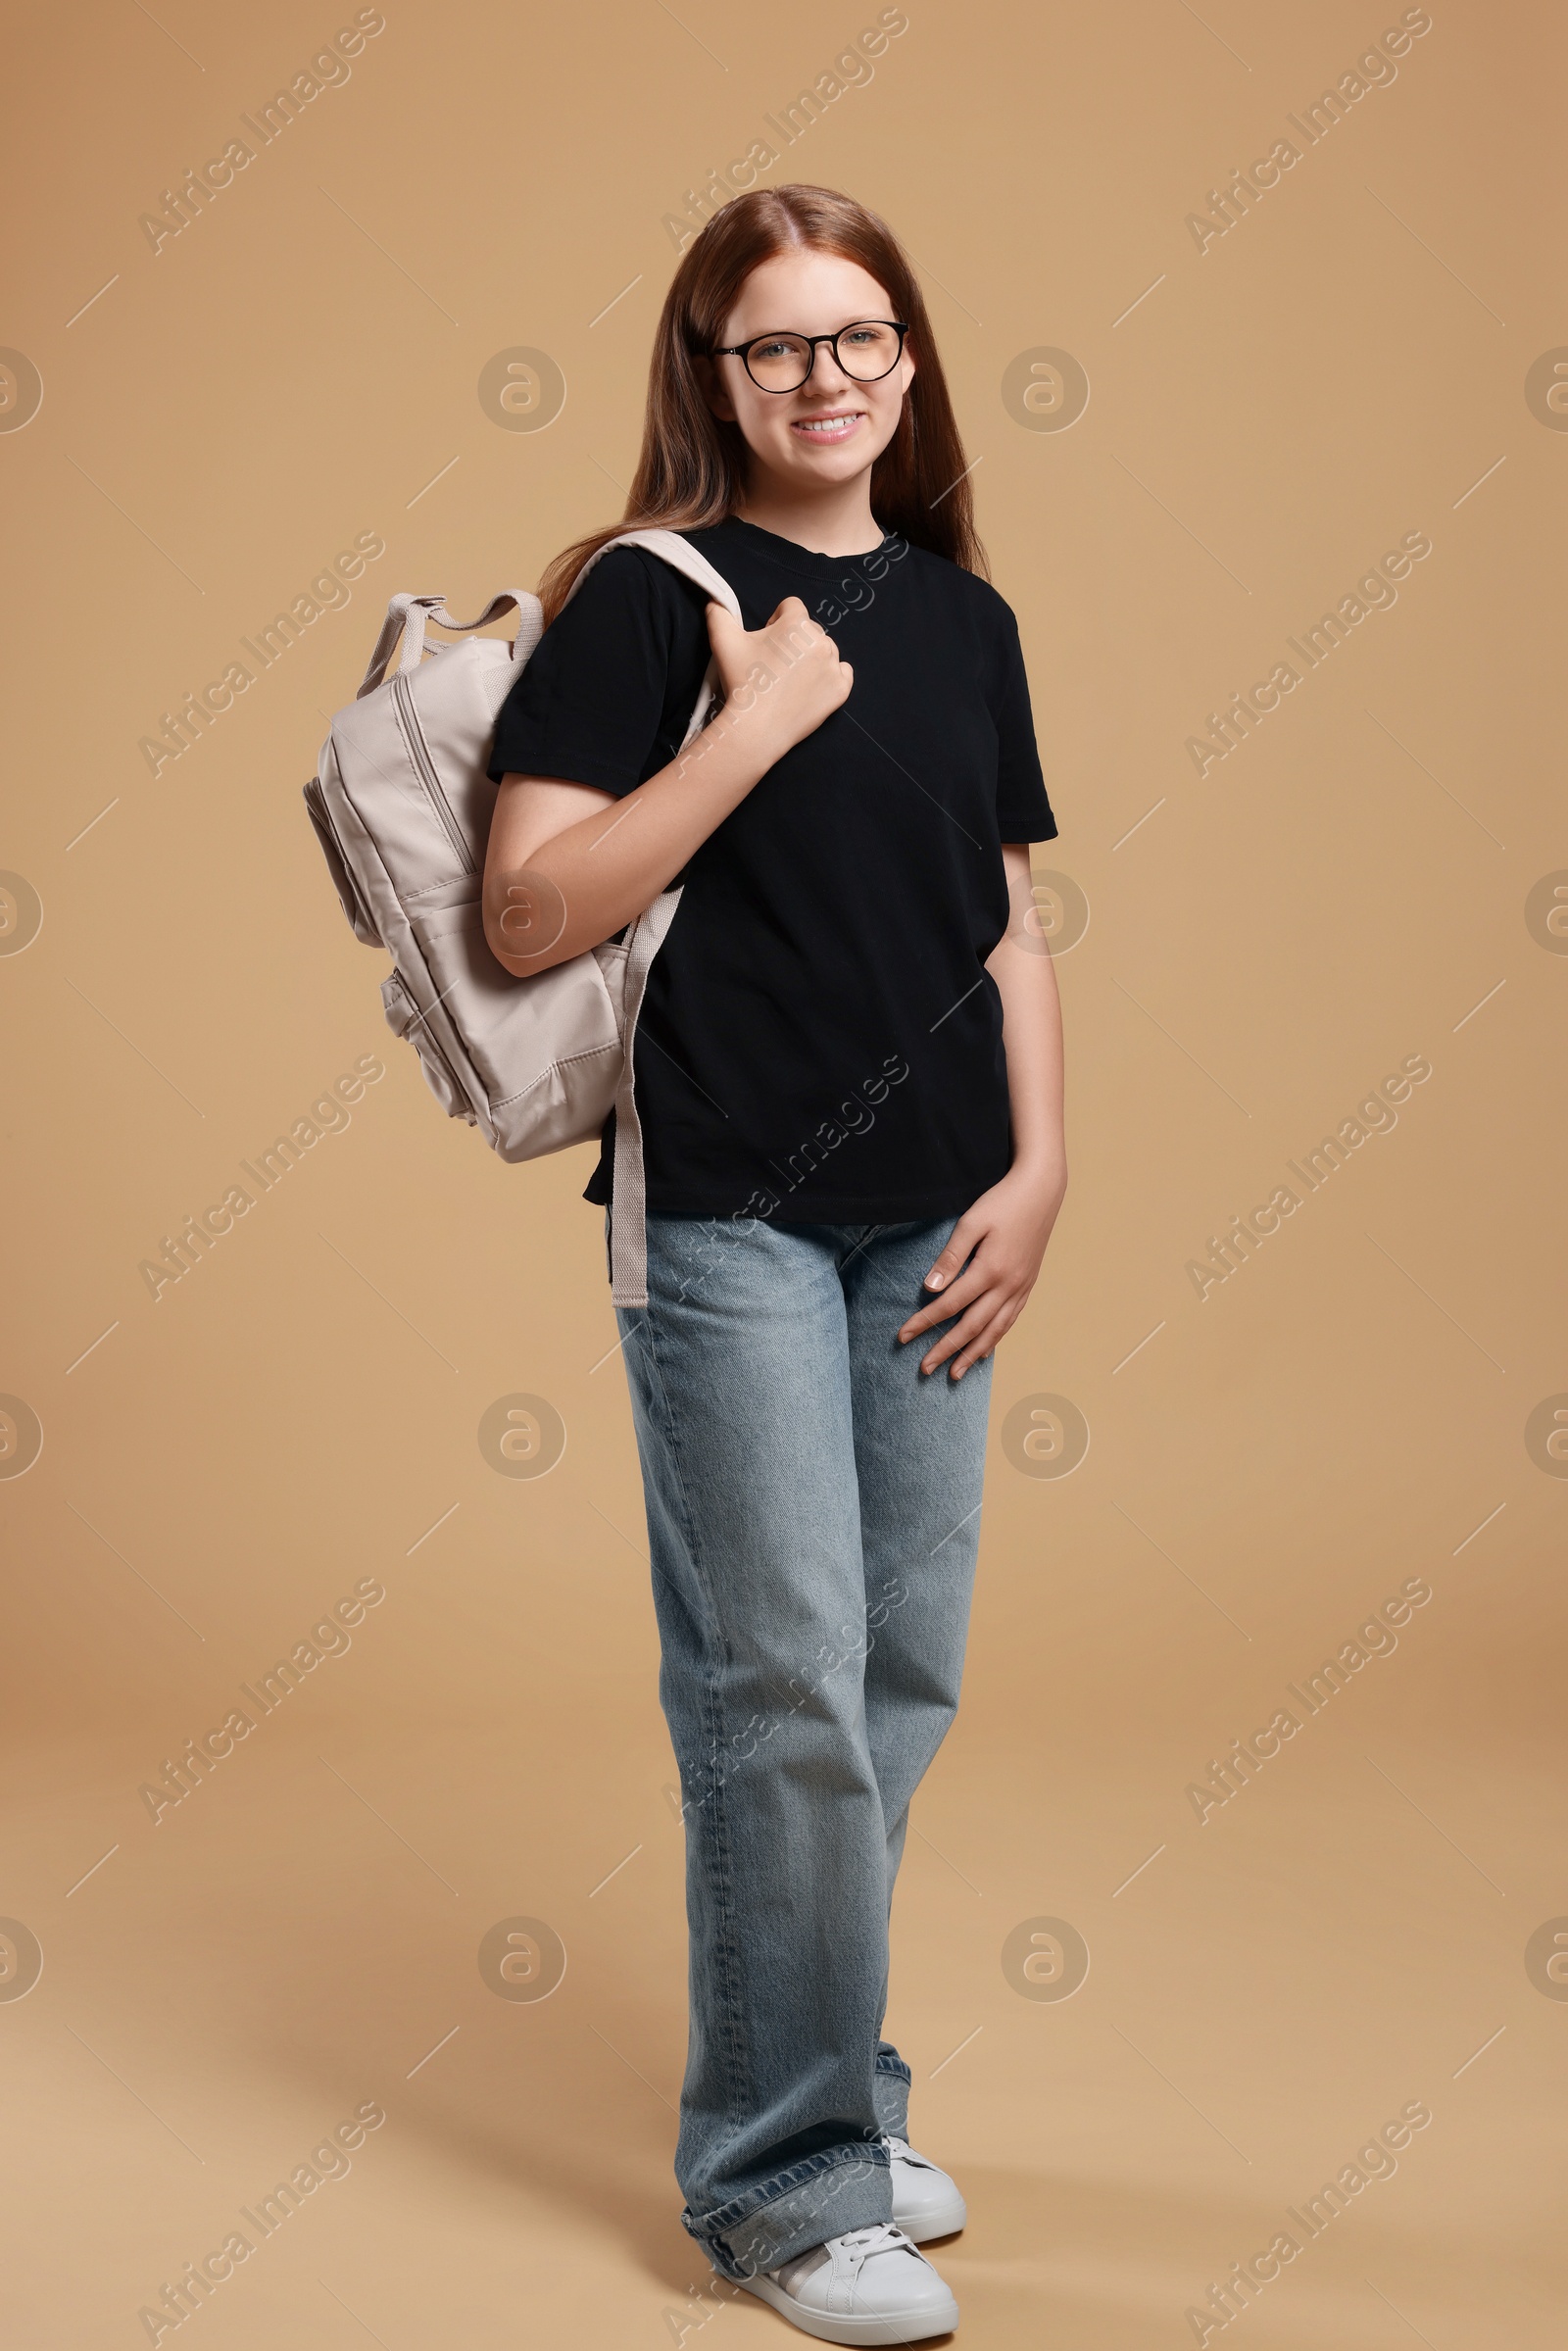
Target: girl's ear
x,y
712,387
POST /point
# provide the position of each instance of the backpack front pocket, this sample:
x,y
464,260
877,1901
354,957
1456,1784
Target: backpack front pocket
x,y
405,1019
552,1038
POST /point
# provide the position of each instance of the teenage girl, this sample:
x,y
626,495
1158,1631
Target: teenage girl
x,y
848,1072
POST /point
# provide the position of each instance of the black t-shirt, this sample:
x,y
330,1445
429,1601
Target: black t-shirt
x,y
819,1040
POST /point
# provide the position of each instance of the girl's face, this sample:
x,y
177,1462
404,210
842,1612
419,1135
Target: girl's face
x,y
827,432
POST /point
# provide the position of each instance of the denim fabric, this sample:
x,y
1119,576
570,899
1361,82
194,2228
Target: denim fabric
x,y
813,1516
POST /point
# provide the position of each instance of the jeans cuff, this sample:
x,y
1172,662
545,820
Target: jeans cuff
x,y
890,2095
841,2190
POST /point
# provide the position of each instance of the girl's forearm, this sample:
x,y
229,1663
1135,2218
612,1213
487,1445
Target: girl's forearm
x,y
554,893
544,905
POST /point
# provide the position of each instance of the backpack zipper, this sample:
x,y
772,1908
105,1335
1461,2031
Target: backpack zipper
x,y
424,766
428,1038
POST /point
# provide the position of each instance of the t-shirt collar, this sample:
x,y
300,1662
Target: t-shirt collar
x,y
787,554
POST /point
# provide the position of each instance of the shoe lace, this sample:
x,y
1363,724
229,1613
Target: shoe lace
x,y
882,2236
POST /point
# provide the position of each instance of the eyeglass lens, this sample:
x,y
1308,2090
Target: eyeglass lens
x,y
781,362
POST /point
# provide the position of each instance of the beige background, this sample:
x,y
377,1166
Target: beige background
x,y
300,365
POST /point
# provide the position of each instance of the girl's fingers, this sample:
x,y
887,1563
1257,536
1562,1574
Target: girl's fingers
x,y
964,1331
965,1234
980,1278
724,631
727,638
995,1331
972,1285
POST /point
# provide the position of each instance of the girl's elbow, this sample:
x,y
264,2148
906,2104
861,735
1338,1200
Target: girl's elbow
x,y
503,955
524,920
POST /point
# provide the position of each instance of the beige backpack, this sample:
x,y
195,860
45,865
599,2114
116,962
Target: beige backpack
x,y
402,808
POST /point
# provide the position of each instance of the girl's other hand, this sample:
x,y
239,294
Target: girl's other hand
x,y
786,677
985,1272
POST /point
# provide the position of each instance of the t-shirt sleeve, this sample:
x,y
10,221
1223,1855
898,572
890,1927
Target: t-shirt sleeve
x,y
596,701
1023,811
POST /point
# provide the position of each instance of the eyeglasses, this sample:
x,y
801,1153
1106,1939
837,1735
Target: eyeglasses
x,y
781,362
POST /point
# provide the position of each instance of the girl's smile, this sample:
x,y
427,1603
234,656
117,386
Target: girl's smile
x,y
837,427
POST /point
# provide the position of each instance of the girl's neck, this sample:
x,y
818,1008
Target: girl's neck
x,y
836,521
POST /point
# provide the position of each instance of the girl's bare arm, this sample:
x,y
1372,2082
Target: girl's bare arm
x,y
984,1276
568,866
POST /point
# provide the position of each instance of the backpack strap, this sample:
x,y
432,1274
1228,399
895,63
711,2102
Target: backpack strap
x,y
680,555
407,616
628,1230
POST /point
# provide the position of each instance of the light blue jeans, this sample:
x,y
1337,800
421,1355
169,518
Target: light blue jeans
x,y
813,1505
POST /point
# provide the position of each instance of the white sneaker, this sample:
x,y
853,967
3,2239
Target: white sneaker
x,y
868,2286
926,2203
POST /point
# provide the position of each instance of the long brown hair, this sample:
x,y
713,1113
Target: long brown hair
x,y
691,473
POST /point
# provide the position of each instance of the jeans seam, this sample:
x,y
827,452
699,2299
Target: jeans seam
x,y
716,1859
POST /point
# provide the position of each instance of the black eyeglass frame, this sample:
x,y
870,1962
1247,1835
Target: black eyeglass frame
x,y
743,352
